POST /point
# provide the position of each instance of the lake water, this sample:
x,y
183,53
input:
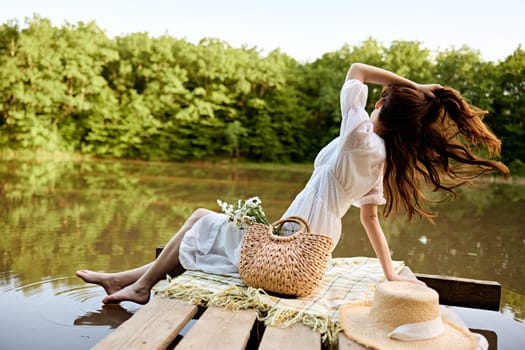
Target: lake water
x,y
60,216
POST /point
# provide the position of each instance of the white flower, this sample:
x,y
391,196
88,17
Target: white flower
x,y
253,202
244,213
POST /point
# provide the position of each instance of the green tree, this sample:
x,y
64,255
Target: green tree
x,y
464,70
11,80
32,92
509,109
409,59
73,89
88,101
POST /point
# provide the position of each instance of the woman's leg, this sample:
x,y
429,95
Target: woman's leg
x,y
113,281
135,285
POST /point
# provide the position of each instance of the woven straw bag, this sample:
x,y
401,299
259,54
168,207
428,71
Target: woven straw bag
x,y
292,265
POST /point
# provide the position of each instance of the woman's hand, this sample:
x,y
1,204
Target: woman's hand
x,y
397,277
428,89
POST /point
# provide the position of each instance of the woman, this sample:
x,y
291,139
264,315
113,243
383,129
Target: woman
x,y
416,133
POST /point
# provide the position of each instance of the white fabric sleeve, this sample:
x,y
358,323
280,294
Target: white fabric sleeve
x,y
359,164
353,98
353,95
374,196
368,151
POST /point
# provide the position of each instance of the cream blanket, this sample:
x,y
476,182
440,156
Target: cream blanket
x,y
347,280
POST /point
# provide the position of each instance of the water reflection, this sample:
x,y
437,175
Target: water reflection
x,y
45,313
107,315
57,217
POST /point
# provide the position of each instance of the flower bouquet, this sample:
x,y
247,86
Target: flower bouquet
x,y
244,214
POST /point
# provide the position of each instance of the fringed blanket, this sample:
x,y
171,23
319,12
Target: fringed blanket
x,y
347,280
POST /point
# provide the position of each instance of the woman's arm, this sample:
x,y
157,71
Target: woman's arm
x,y
370,74
373,229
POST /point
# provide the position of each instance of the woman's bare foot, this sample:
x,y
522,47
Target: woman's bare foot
x,y
108,281
132,293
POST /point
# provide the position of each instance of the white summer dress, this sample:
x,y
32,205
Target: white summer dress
x,y
348,171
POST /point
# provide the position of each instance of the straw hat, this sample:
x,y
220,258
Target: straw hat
x,y
404,316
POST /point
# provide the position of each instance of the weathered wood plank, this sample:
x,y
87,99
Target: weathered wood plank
x,y
154,326
219,329
294,337
464,292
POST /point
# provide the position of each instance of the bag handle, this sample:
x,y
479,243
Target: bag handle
x,y
305,227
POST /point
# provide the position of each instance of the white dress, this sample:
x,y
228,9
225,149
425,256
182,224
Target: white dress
x,y
348,171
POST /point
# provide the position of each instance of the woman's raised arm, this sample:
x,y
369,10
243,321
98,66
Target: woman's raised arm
x,y
370,74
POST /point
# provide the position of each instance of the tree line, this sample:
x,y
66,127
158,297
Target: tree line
x,y
73,89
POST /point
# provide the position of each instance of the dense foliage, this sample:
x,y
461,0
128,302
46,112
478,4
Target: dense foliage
x,y
73,89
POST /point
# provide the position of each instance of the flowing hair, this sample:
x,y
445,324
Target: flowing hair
x,y
434,140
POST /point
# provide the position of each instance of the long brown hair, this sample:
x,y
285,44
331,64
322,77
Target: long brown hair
x,y
436,139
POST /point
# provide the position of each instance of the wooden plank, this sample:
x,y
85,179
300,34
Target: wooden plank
x,y
154,326
219,329
297,336
465,292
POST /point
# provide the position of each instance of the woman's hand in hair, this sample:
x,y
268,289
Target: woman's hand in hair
x,y
428,89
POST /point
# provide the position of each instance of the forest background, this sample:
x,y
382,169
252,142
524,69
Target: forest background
x,y
73,90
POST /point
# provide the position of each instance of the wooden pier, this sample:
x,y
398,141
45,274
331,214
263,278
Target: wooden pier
x,y
160,323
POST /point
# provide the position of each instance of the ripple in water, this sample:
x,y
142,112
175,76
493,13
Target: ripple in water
x,y
60,313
